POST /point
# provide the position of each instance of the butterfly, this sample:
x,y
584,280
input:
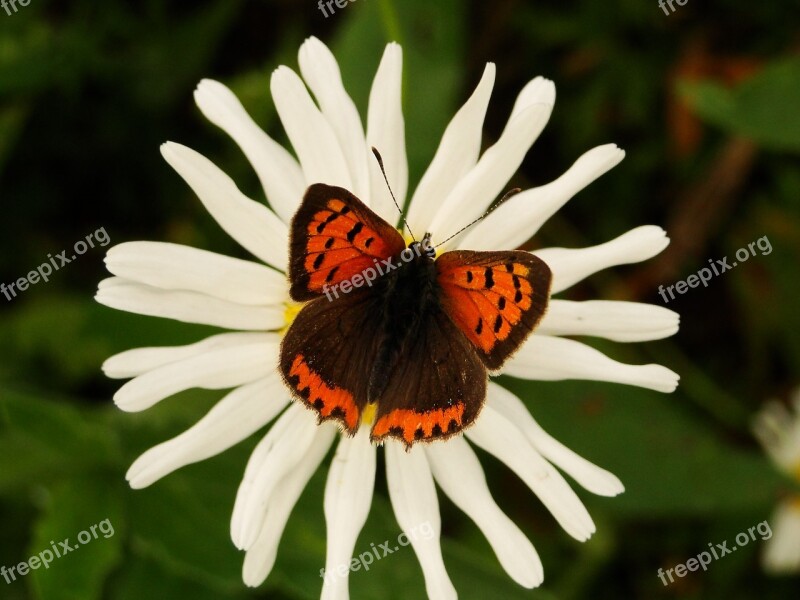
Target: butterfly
x,y
395,329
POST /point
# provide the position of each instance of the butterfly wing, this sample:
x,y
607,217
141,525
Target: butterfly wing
x,y
335,236
495,298
435,387
328,353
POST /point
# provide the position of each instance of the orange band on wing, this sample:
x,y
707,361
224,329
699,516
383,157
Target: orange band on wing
x,y
411,425
329,402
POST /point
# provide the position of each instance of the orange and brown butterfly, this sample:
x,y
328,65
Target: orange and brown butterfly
x,y
394,329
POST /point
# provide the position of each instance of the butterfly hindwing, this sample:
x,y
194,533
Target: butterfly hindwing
x,y
327,353
434,388
495,298
335,236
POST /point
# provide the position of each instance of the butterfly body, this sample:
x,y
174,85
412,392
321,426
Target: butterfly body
x,y
404,331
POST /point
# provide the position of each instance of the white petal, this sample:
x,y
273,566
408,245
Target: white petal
x,y
416,508
275,456
537,91
554,359
260,558
321,72
457,154
278,171
141,360
458,472
520,217
593,478
386,132
214,370
778,430
234,418
613,320
254,226
476,191
189,307
348,498
175,267
782,551
311,135
570,266
498,436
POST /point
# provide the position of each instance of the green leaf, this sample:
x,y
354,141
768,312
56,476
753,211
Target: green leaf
x,y
182,521
85,513
146,578
762,108
43,439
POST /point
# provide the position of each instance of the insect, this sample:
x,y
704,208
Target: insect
x,y
416,344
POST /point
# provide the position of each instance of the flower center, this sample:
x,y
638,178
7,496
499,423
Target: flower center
x,y
289,314
368,415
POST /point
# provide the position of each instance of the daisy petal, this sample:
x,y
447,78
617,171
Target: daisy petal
x,y
234,418
457,154
500,437
554,359
141,360
457,470
214,370
348,497
613,320
255,227
386,132
520,217
311,135
415,505
175,267
278,171
276,455
782,551
591,477
475,192
570,266
260,558
189,307
321,73
778,430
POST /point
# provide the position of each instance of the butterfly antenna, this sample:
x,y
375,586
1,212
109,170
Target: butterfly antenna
x,y
386,179
508,194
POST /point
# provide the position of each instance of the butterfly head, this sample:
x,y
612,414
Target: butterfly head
x,y
424,247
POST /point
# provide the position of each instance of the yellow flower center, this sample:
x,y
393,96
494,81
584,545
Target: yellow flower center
x,y
289,314
368,416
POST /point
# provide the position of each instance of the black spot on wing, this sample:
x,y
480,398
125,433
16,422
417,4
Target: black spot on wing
x,y
488,275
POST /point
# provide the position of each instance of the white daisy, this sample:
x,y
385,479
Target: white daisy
x,y
778,430
331,146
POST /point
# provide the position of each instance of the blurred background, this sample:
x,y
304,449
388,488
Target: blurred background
x,y
705,102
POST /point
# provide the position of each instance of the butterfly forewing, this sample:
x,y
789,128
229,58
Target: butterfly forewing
x,y
496,298
333,237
